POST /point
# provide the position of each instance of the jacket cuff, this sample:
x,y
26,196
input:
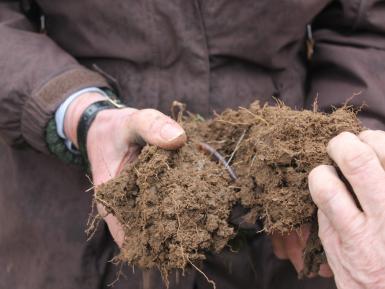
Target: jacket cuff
x,y
40,108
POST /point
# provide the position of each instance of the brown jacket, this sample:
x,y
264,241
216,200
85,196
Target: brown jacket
x,y
210,54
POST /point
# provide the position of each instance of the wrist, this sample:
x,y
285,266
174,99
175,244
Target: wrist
x,y
75,111
112,146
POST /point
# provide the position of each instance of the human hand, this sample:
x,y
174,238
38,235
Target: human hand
x,y
115,138
353,238
291,247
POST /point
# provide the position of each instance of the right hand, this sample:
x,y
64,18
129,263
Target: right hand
x,y
352,230
115,138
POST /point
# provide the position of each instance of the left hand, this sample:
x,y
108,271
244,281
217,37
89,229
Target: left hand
x,y
114,139
353,237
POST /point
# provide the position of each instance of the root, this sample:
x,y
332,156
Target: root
x,y
118,274
92,226
203,274
92,222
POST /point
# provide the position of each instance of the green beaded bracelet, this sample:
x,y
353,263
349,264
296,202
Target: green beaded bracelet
x,y
57,146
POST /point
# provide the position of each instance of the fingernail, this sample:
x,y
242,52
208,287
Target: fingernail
x,y
170,132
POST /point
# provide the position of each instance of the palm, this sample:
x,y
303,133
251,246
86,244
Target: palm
x,y
115,139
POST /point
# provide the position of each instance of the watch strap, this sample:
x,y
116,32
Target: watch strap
x,y
87,119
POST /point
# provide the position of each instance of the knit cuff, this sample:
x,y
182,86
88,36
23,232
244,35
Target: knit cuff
x,y
40,108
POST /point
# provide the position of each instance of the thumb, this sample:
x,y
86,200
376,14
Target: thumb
x,y
153,127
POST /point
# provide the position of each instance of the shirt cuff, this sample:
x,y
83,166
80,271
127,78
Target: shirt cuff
x,y
61,113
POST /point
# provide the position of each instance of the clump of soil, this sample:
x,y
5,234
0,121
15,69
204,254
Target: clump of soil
x,y
175,205
274,149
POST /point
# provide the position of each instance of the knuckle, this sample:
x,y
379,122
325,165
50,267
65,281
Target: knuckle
x,y
312,178
150,112
372,137
320,184
367,134
316,173
358,160
133,114
128,119
326,195
356,227
355,231
155,116
339,139
144,114
380,132
345,134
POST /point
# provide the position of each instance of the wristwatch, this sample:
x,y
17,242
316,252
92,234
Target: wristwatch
x,y
87,119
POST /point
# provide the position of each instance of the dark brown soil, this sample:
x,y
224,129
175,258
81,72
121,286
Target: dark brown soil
x,y
175,205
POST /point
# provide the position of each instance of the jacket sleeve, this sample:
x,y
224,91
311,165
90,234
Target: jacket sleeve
x,y
349,58
36,75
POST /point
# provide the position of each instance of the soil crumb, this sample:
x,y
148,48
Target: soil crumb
x,y
175,205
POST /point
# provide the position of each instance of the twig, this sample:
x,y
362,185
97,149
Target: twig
x,y
252,163
233,123
253,114
236,147
217,156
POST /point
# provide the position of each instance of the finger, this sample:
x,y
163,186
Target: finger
x,y
362,168
278,246
294,251
325,232
332,247
376,140
325,271
334,200
330,241
155,128
113,224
